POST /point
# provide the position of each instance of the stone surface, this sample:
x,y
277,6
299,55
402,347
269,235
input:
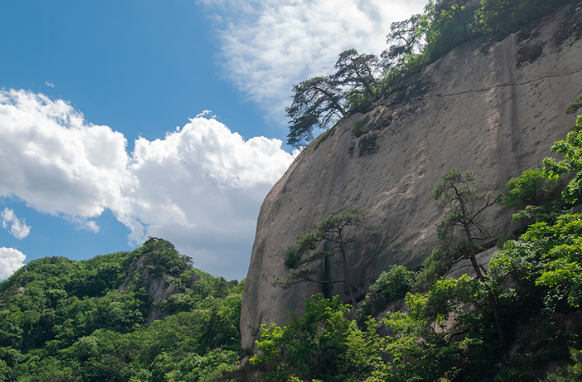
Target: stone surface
x,y
493,109
158,288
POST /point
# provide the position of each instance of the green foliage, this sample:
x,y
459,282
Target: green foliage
x,y
356,72
569,373
390,286
463,205
444,25
292,258
574,106
499,18
404,39
63,320
531,193
530,188
449,332
323,344
359,127
548,256
333,231
317,102
461,228
572,151
161,257
433,267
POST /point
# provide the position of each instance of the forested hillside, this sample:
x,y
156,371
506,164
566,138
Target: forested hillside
x,y
63,320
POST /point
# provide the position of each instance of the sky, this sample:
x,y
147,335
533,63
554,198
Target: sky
x,y
121,120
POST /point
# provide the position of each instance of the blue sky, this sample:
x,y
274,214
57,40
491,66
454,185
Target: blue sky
x,y
126,119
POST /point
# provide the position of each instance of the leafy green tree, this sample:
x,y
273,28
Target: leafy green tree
x,y
323,344
530,192
404,39
530,188
317,103
390,286
444,25
357,71
461,228
571,148
574,106
499,18
571,372
63,320
550,257
357,74
439,333
334,232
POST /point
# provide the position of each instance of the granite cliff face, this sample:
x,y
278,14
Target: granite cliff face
x,y
491,108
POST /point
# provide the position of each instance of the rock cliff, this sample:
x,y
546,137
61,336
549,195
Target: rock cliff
x,y
493,109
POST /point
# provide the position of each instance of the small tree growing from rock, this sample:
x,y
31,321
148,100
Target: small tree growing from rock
x,y
461,229
333,232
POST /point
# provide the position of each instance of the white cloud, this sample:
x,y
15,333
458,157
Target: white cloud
x,y
10,261
51,158
49,84
270,45
200,186
18,227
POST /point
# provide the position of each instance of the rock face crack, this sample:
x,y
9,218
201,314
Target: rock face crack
x,y
474,112
483,90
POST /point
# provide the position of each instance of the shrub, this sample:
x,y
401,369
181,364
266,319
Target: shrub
x,y
390,286
359,127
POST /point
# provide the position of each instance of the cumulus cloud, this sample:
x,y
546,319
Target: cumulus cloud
x,y
200,186
10,261
51,158
18,227
270,45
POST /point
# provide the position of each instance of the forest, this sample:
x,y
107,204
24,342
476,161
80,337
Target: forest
x,y
149,315
63,320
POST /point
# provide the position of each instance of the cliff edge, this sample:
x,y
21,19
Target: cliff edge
x,y
493,109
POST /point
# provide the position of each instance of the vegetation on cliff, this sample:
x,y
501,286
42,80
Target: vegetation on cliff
x,y
362,80
333,233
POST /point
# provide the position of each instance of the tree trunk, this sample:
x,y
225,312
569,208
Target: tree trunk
x,y
347,276
491,299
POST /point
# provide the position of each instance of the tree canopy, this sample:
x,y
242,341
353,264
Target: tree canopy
x,y
320,101
64,320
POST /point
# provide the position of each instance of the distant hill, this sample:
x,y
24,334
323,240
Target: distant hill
x,y
140,315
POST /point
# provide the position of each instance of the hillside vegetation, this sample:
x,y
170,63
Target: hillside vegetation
x,y
63,320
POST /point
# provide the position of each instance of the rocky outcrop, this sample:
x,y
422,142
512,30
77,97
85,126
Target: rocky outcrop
x,y
491,108
158,288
